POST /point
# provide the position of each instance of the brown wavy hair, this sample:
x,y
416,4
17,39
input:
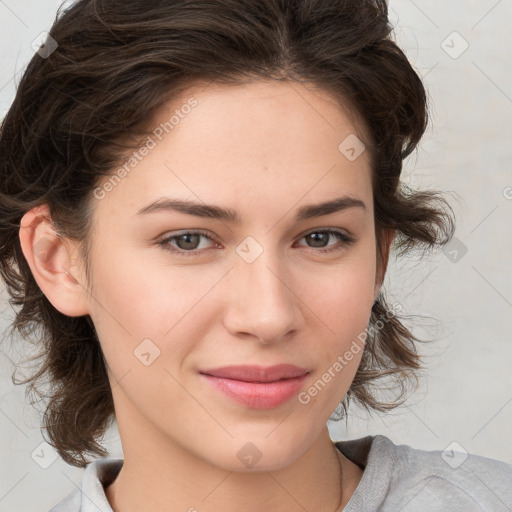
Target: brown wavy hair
x,y
80,107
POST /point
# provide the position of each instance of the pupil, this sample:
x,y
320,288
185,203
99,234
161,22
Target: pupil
x,y
195,238
318,237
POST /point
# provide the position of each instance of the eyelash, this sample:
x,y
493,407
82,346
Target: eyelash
x,y
165,243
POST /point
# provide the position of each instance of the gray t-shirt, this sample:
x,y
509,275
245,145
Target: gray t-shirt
x,y
395,478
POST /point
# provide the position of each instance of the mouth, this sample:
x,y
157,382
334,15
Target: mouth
x,y
251,373
255,387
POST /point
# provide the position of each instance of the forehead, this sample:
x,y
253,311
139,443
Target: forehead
x,y
298,112
259,143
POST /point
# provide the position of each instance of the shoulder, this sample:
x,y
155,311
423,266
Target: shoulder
x,y
452,479
89,496
399,477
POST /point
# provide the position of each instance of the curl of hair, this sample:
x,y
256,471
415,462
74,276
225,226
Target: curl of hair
x,y
77,112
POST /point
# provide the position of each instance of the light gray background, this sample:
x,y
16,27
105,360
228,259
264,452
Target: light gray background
x,y
466,392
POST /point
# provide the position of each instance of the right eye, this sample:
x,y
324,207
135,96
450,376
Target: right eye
x,y
187,242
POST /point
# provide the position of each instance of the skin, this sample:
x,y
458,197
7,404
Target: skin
x,y
264,149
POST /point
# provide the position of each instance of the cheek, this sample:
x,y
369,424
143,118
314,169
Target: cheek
x,y
342,299
342,295
145,312
344,310
134,295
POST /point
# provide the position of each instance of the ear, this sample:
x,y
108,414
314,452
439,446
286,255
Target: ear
x,y
53,262
382,263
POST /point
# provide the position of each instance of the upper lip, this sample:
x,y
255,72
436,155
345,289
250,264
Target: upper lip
x,y
249,373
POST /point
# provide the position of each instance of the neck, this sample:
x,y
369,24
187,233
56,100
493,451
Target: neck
x,y
175,479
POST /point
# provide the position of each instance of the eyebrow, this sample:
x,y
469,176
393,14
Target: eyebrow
x,y
227,214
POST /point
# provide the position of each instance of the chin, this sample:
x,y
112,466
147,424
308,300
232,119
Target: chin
x,y
253,456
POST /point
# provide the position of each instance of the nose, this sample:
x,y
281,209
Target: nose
x,y
262,301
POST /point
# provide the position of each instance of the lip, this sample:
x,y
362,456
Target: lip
x,y
255,386
252,373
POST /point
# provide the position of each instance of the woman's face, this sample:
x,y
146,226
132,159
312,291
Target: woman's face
x,y
260,291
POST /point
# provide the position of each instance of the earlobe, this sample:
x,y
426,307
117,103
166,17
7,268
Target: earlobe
x,y
50,258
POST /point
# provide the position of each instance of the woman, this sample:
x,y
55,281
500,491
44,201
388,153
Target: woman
x,y
198,204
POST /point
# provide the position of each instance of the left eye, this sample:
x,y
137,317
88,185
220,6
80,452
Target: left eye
x,y
187,242
321,236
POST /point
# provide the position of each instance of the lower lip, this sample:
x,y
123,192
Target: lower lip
x,y
258,395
